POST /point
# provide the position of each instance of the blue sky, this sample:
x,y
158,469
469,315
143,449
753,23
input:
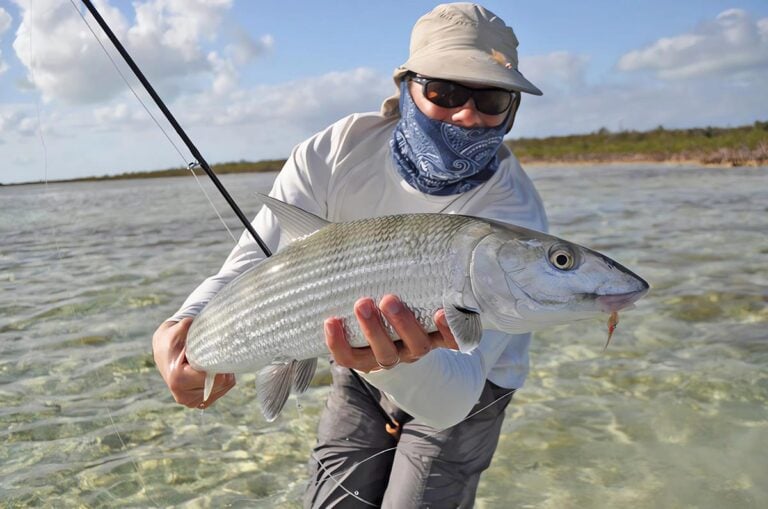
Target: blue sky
x,y
249,80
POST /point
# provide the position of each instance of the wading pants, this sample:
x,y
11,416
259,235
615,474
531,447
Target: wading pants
x,y
357,464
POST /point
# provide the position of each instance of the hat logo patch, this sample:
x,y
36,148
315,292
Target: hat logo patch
x,y
501,59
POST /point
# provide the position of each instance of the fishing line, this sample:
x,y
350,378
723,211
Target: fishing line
x,y
179,131
117,68
40,127
201,161
169,116
135,465
383,451
56,238
189,165
338,483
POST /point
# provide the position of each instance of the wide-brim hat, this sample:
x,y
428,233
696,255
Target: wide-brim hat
x,y
467,43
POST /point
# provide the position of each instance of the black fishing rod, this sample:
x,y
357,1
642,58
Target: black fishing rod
x,y
183,135
393,427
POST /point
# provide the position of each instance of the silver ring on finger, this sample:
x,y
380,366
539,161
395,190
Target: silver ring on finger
x,y
390,365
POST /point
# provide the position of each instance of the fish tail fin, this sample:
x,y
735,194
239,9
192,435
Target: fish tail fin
x,y
276,381
209,378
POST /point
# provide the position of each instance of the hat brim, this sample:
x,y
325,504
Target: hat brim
x,y
473,67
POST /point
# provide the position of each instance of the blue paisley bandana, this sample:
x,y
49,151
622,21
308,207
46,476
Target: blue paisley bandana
x,y
439,158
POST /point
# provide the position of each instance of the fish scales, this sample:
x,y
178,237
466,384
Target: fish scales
x,y
276,310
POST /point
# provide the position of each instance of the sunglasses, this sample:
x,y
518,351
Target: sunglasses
x,y
449,94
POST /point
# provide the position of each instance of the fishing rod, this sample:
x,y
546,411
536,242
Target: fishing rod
x,y
392,426
172,120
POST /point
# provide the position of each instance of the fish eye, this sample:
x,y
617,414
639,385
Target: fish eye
x,y
562,258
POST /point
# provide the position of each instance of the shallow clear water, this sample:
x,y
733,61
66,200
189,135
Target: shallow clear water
x,y
673,414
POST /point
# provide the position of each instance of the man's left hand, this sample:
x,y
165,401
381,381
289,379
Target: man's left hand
x,y
383,352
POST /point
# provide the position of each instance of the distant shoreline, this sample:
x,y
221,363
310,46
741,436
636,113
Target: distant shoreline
x,y
532,163
708,147
635,159
586,160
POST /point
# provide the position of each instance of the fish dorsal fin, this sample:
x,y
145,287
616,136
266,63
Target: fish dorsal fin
x,y
294,222
465,325
304,371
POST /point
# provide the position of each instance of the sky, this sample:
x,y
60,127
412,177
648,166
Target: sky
x,y
248,80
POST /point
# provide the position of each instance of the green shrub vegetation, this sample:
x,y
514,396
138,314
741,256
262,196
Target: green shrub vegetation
x,y
709,145
218,169
731,146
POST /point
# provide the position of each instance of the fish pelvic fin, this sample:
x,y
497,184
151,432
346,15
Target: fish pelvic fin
x,y
465,325
276,381
294,222
209,379
304,371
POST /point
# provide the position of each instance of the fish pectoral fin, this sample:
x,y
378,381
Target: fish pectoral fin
x,y
209,378
303,373
465,325
294,222
274,387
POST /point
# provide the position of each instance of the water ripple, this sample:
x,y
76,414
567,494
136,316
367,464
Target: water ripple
x,y
673,414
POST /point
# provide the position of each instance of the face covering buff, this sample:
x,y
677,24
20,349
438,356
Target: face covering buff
x,y
439,158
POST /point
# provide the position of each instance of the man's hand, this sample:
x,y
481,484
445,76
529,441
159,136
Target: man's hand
x,y
383,352
186,384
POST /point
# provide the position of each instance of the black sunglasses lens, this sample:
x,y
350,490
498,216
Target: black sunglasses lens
x,y
492,102
446,94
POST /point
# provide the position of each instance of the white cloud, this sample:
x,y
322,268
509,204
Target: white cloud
x,y
302,106
226,78
62,59
256,123
5,21
245,48
169,29
167,39
323,99
5,24
734,43
636,106
14,120
119,116
27,126
560,70
231,120
731,51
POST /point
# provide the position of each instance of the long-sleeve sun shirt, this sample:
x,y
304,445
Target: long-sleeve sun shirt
x,y
345,172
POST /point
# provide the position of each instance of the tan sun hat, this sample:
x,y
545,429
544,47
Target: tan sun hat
x,y
463,42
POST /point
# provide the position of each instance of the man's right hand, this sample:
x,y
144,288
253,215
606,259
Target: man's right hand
x,y
186,384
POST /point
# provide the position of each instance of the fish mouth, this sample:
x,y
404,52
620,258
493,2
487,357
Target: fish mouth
x,y
619,301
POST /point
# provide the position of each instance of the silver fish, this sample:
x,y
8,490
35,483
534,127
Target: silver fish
x,y
485,274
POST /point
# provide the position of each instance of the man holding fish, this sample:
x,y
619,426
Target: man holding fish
x,y
435,147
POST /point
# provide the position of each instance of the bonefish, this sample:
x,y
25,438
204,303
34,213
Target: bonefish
x,y
485,275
